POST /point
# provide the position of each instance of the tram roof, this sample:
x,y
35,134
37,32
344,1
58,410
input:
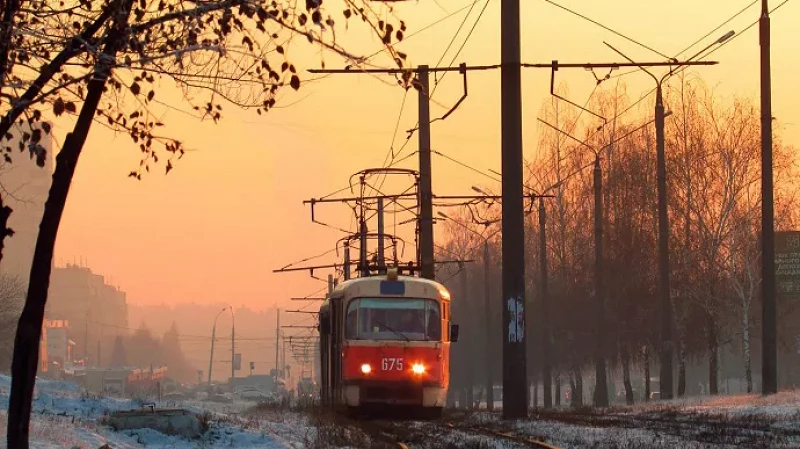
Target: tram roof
x,y
372,280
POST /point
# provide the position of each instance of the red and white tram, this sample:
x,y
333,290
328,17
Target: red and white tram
x,y
385,342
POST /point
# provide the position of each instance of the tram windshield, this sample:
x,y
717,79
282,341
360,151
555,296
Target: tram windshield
x,y
393,319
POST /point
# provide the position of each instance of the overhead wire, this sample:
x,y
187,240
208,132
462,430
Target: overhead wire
x,y
425,28
394,155
309,258
705,55
699,40
436,85
391,151
588,19
465,165
430,25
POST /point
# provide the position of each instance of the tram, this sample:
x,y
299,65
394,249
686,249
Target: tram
x,y
385,344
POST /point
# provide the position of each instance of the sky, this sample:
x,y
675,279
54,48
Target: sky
x,y
232,210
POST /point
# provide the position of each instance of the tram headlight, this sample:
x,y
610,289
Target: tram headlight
x,y
365,368
418,368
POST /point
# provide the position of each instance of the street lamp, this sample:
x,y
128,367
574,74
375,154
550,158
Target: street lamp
x,y
233,355
213,337
663,223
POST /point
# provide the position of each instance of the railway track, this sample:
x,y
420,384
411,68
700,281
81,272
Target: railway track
x,y
409,434
531,442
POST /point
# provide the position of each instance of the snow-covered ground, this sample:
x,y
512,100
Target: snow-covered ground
x,y
64,417
697,422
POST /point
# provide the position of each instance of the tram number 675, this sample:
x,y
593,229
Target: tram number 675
x,y
392,363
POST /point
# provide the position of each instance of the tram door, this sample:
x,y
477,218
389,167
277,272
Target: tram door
x,y
336,349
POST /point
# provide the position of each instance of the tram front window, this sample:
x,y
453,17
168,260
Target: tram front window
x,y
393,319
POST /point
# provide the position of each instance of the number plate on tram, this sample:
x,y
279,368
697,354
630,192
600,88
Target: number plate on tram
x,y
392,364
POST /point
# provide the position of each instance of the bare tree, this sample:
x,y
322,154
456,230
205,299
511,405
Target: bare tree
x,y
12,297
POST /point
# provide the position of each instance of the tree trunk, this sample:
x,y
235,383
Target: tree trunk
x,y
5,231
681,361
748,370
10,9
626,373
557,381
713,356
646,374
29,330
578,393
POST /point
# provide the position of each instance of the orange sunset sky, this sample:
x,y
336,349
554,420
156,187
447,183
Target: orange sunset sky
x,y
231,211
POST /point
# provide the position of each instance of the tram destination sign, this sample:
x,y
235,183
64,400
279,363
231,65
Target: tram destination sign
x,y
787,264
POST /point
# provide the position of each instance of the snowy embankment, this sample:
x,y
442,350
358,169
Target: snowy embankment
x,y
64,417
698,422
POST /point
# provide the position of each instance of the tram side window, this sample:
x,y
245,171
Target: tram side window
x,y
446,320
394,319
351,323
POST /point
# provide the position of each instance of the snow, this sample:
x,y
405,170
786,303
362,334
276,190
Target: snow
x,y
63,416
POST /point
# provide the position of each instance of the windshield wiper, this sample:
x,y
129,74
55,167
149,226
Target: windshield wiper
x,y
381,323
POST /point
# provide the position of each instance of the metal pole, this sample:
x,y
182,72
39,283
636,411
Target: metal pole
x,y
769,370
515,378
213,337
488,325
425,189
547,376
470,367
381,256
363,264
277,347
663,252
601,387
233,355
283,356
346,260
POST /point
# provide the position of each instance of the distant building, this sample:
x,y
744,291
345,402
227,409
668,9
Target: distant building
x,y
25,187
55,347
97,312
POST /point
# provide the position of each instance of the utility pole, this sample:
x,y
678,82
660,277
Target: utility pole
x,y
283,356
515,377
381,249
769,370
665,312
547,377
213,337
601,387
487,303
470,367
425,189
233,355
211,359
277,347
663,252
363,264
346,268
